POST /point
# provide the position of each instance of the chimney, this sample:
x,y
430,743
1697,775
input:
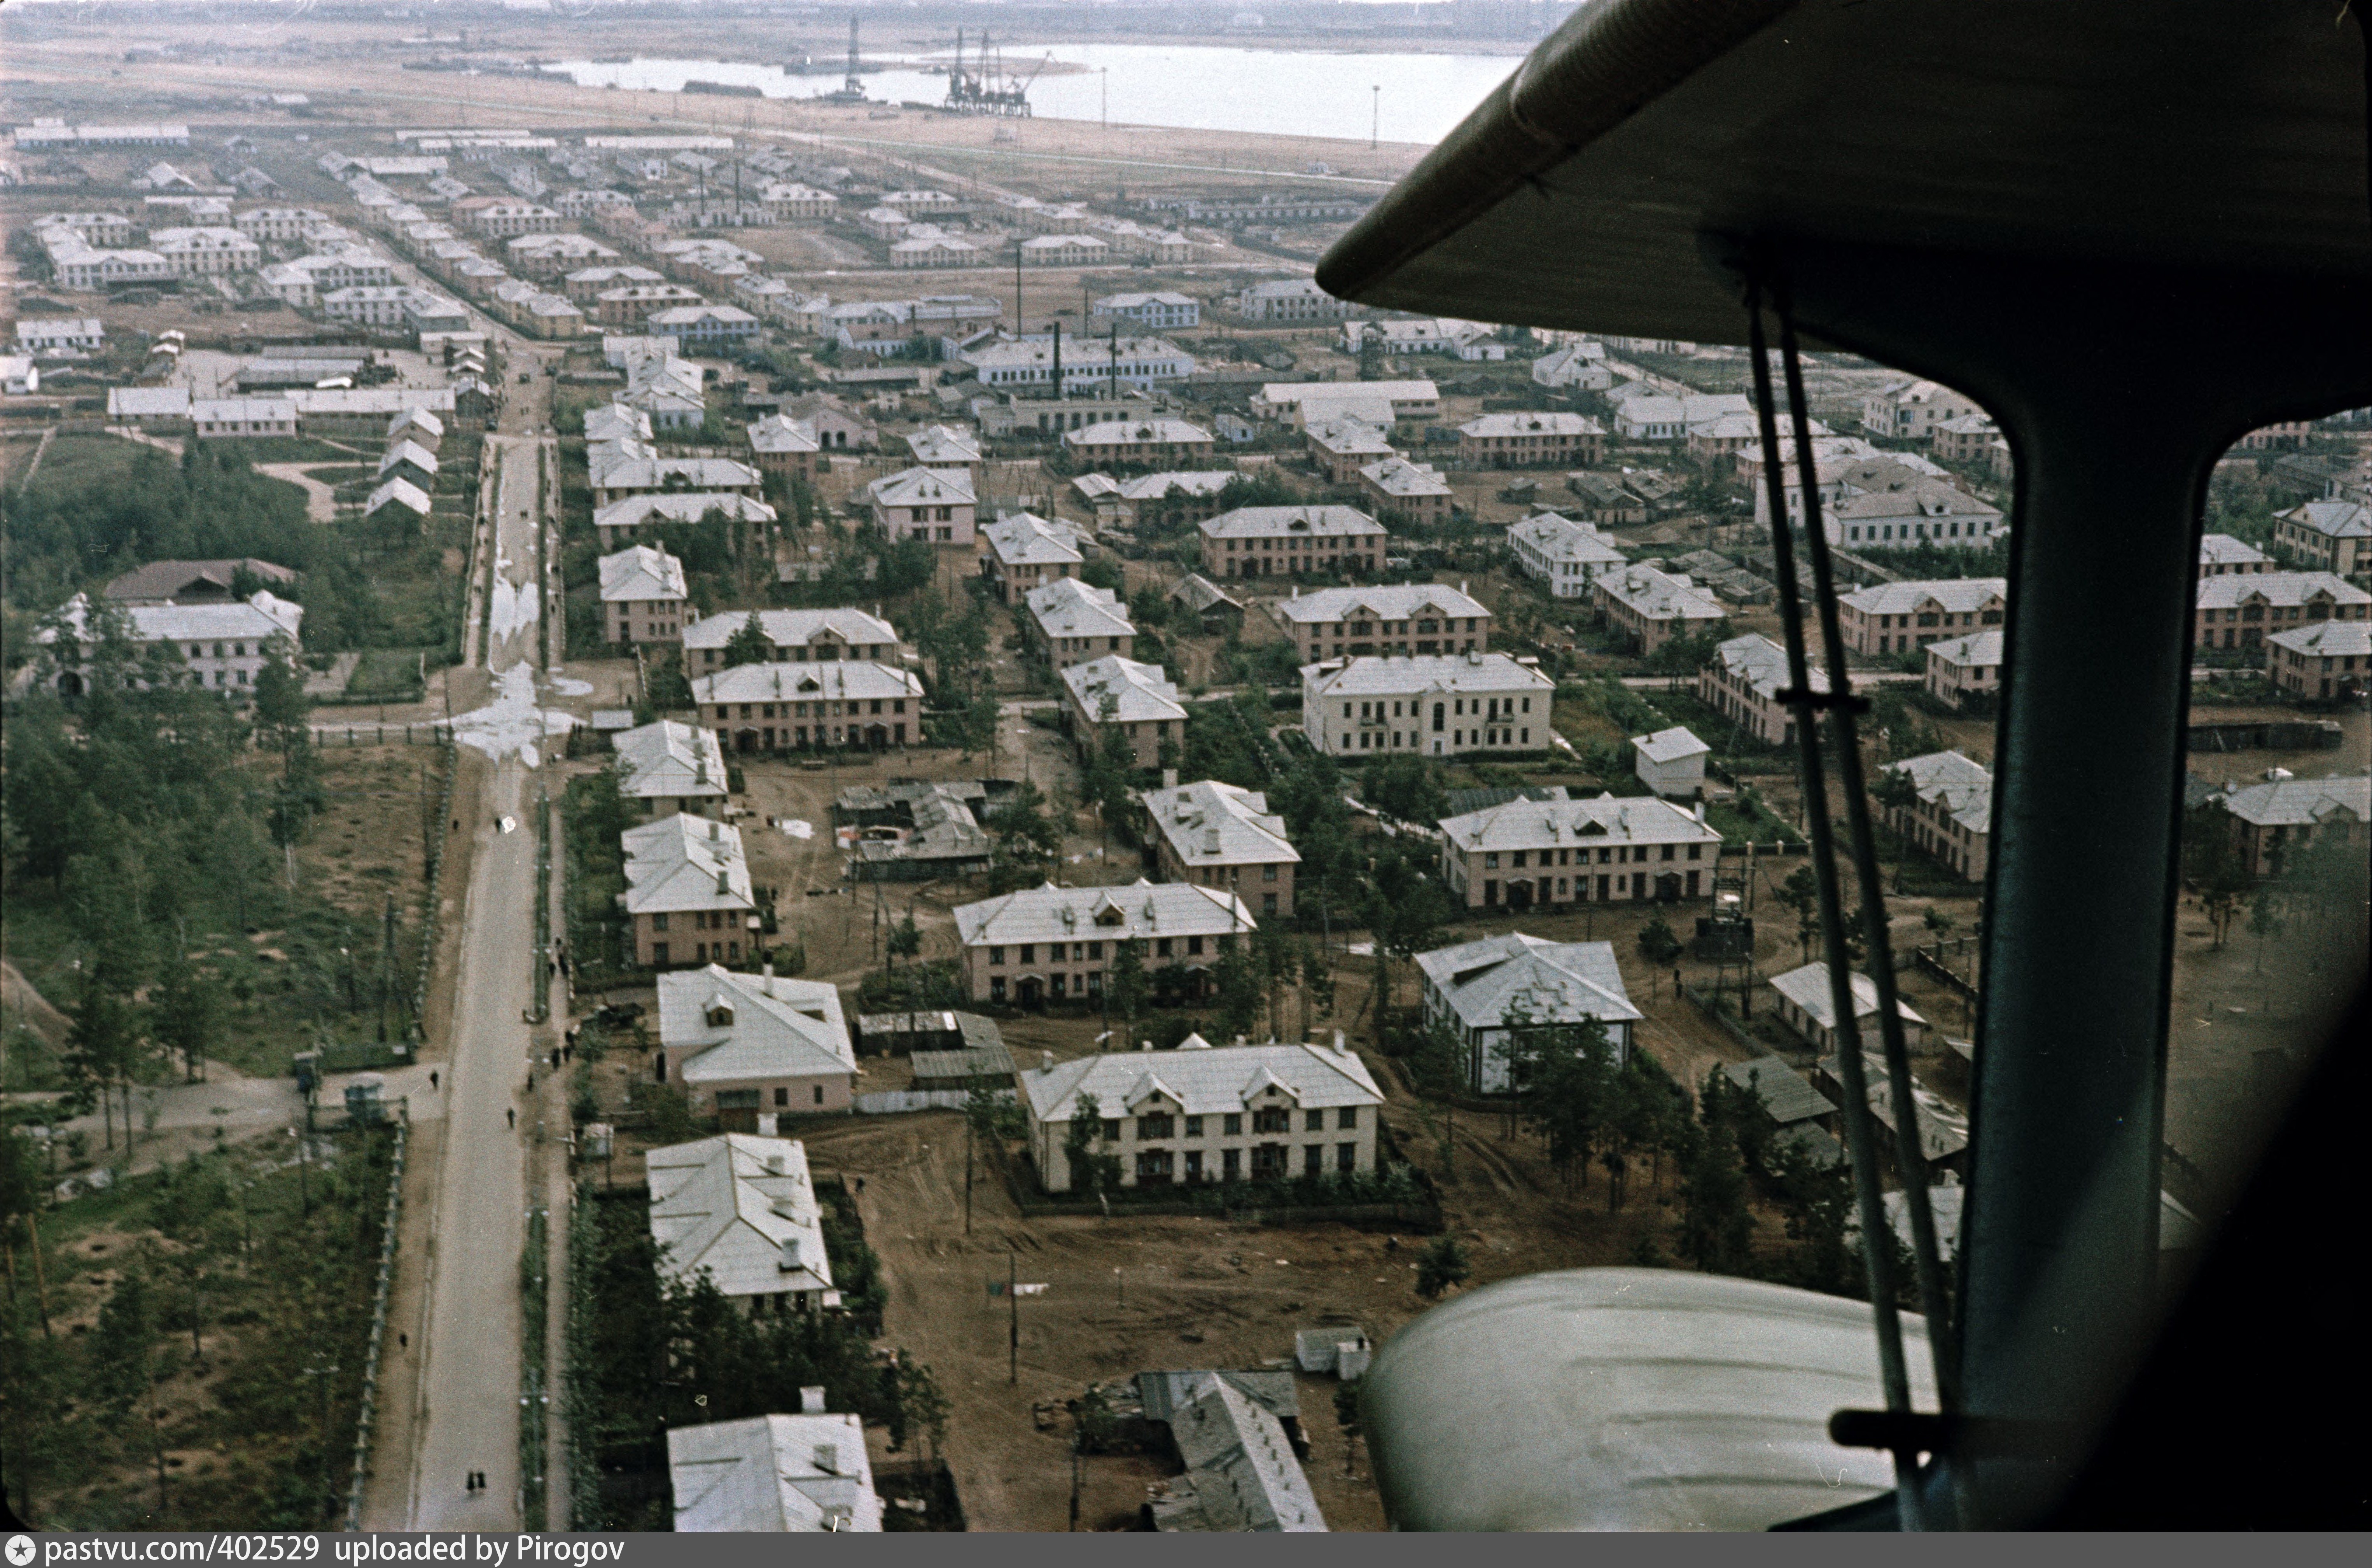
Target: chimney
x,y
1045,1061
811,1400
1169,778
1145,1045
1338,1039
1701,816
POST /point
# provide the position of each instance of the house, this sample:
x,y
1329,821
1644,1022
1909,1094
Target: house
x,y
1300,404
2221,555
219,646
1651,608
1670,761
1222,836
2271,823
933,505
937,834
739,1208
1404,489
1891,508
1641,415
54,335
1438,705
417,425
631,305
1401,618
784,447
1241,1470
1050,942
1604,501
407,459
1150,310
1553,839
206,250
667,388
1965,666
19,375
1806,1006
836,429
500,220
688,897
1341,448
1951,817
1492,992
401,494
2329,536
1731,433
241,418
847,703
1909,410
1743,683
194,582
769,1474
1460,340
711,328
1579,366
670,768
767,1046
1290,299
1071,621
639,516
1209,603
1065,250
1530,440
1171,499
643,596
1139,698
2330,661
1258,541
1138,441
1204,1113
1009,363
2245,609
1897,617
1025,552
630,472
1787,1098
1564,555
796,636
944,447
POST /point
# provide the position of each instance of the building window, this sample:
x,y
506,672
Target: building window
x,y
782,1098
1231,1125
1193,1127
1156,1124
1273,1119
1346,1157
997,954
1313,1122
1313,1160
1347,1117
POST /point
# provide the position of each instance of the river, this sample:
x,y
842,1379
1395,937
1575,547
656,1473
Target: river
x,y
1272,92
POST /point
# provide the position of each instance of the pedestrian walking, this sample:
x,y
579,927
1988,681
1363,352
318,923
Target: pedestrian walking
x,y
513,1114
432,1077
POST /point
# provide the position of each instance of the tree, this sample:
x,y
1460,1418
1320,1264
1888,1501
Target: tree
x,y
1239,990
993,1116
99,1051
282,708
1408,787
2264,922
926,1405
1894,791
904,941
1716,1227
123,1343
1566,1073
1658,942
186,1015
1939,923
748,644
1125,988
1346,1416
1442,1266
1801,892
1090,1169
1027,840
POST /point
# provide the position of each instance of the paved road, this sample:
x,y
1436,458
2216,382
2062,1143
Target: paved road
x,y
469,1399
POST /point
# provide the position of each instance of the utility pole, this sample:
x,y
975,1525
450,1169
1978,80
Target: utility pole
x,y
1013,1310
1376,119
1017,288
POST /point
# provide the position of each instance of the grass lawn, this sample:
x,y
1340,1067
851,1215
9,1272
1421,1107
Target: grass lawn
x,y
390,669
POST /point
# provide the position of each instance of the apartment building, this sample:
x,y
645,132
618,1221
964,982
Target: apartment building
x,y
500,220
1205,1113
1152,311
629,473
633,517
795,201
1218,835
670,769
1069,622
757,1048
277,223
1406,490
205,251
1807,1006
709,328
1492,992
2329,661
1650,606
1893,617
1563,851
1407,619
2272,823
688,894
1530,440
1168,500
786,448
1651,416
1261,542
241,418
1140,700
1027,551
1016,365
933,505
739,1209
2332,536
1961,667
2221,555
1290,299
1743,684
1952,818
643,596
1065,250
2240,611
1341,448
1052,944
1909,510
795,636
1909,410
1135,441
1435,705
631,305
945,446
220,647
780,707
1302,403
1565,556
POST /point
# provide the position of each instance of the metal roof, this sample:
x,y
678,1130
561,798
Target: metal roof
x,y
791,628
779,1027
1487,981
828,680
766,1474
1069,608
1673,744
685,862
669,760
1141,910
735,1207
640,573
1211,823
1786,1094
1212,1080
1607,818
1140,692
1371,675
1808,988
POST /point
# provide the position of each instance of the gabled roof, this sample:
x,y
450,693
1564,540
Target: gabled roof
x,y
1198,593
1492,424
1281,522
411,452
1660,596
1140,692
1140,909
640,573
1026,540
763,1475
1513,975
2297,803
1398,476
684,862
1347,436
779,1027
737,1207
943,445
611,421
680,507
1808,988
1394,601
1786,1094
1242,1473
1963,787
400,491
1955,596
1762,664
1217,1079
2337,519
1982,649
167,580
1562,538
1606,819
1673,745
670,760
795,628
2278,588
1126,432
826,680
923,487
1211,823
2327,639
2223,550
1157,486
1069,608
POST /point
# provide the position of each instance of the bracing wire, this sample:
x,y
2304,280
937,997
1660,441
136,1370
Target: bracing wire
x,y
1805,704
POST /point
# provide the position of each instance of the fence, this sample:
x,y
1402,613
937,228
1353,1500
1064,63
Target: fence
x,y
431,915
437,733
378,1328
534,1403
891,1102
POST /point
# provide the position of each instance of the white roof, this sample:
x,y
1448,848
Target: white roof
x,y
264,616
1026,540
1542,981
411,452
942,445
208,411
1124,432
1290,522
2279,588
1979,649
669,761
1139,691
1963,787
1396,601
1673,745
1372,677
780,1027
1134,301
2223,550
1218,1079
1491,424
416,418
794,628
1808,988
1140,909
700,473
638,574
1069,608
1951,595
1762,664
2338,519
400,491
732,1206
1154,486
2327,639
2296,803
923,487
1606,819
1349,435
781,433
1311,396
1241,1472
1211,823
680,507
1562,538
1401,476
148,402
828,681
683,860
611,421
1660,596
762,1475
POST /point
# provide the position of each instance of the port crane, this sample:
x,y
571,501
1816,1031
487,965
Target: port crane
x,y
985,86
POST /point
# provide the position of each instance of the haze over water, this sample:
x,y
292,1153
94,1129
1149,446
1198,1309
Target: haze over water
x,y
1273,92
